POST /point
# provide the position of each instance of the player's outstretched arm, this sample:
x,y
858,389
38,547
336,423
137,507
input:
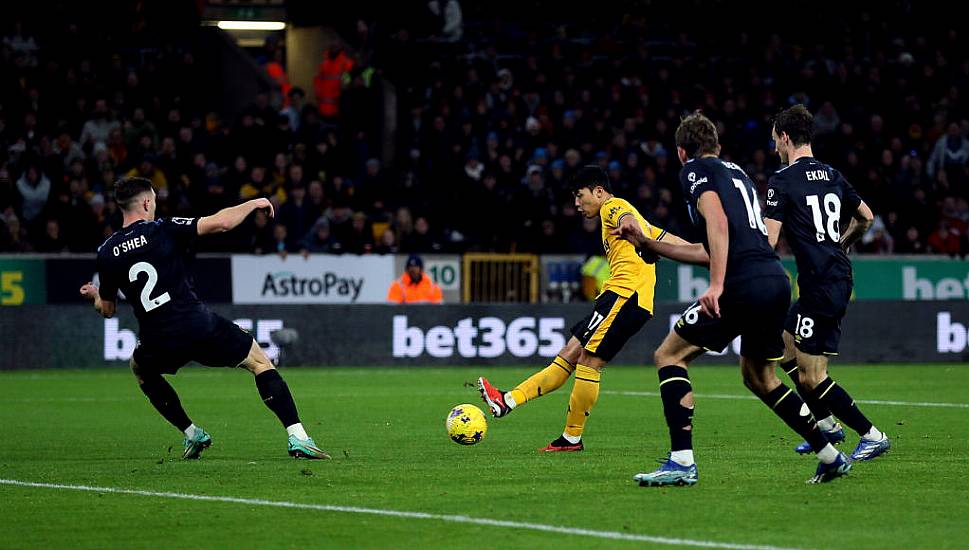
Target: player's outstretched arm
x,y
861,220
229,218
718,238
105,307
680,250
670,246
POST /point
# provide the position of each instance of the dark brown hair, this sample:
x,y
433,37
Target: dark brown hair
x,y
697,135
797,122
127,191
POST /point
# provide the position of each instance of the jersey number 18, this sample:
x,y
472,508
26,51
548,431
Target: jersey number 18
x,y
832,207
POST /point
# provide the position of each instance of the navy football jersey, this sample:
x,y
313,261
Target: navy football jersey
x,y
147,261
808,197
749,254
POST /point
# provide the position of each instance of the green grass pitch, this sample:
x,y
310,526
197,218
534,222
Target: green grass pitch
x,y
385,430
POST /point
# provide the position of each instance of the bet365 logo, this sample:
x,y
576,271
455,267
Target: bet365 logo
x,y
487,337
951,336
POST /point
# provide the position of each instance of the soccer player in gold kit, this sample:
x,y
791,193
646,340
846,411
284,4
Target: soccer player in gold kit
x,y
620,311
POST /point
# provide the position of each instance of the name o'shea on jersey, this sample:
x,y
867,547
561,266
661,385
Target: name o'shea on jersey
x,y
129,245
147,261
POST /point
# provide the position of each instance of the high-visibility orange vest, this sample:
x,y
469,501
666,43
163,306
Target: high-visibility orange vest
x,y
278,74
403,291
327,83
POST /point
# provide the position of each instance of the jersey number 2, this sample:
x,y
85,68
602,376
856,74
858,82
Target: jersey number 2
x,y
147,301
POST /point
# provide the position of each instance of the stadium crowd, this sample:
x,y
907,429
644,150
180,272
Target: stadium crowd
x,y
488,133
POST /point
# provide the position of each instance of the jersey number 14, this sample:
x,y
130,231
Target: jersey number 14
x,y
753,207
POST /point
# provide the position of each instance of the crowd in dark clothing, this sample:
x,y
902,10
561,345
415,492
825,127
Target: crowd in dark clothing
x,y
489,130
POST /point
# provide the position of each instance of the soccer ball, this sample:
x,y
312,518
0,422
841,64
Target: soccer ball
x,y
466,424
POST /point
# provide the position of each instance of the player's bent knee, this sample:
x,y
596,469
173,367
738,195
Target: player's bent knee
x,y
572,352
810,376
664,356
257,362
760,380
591,361
756,384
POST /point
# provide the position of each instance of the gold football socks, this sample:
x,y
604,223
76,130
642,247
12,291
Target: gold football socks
x,y
585,393
542,382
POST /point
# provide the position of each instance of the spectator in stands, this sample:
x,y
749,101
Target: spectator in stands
x,y
595,273
99,127
146,169
319,241
387,243
423,240
295,215
360,238
329,80
294,108
370,192
276,70
945,240
510,103
259,236
911,243
315,201
8,196
14,236
137,128
449,14
414,287
340,218
52,241
34,189
826,120
281,243
22,45
949,158
68,149
587,238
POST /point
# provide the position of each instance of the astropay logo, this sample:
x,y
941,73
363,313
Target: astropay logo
x,y
487,337
950,337
285,283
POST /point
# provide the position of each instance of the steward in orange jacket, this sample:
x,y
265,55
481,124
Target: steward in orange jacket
x,y
328,81
414,286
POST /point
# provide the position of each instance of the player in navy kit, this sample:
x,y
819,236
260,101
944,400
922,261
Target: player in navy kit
x,y
146,261
808,199
749,296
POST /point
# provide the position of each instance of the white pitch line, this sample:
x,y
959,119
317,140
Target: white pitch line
x,y
70,399
612,535
754,398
